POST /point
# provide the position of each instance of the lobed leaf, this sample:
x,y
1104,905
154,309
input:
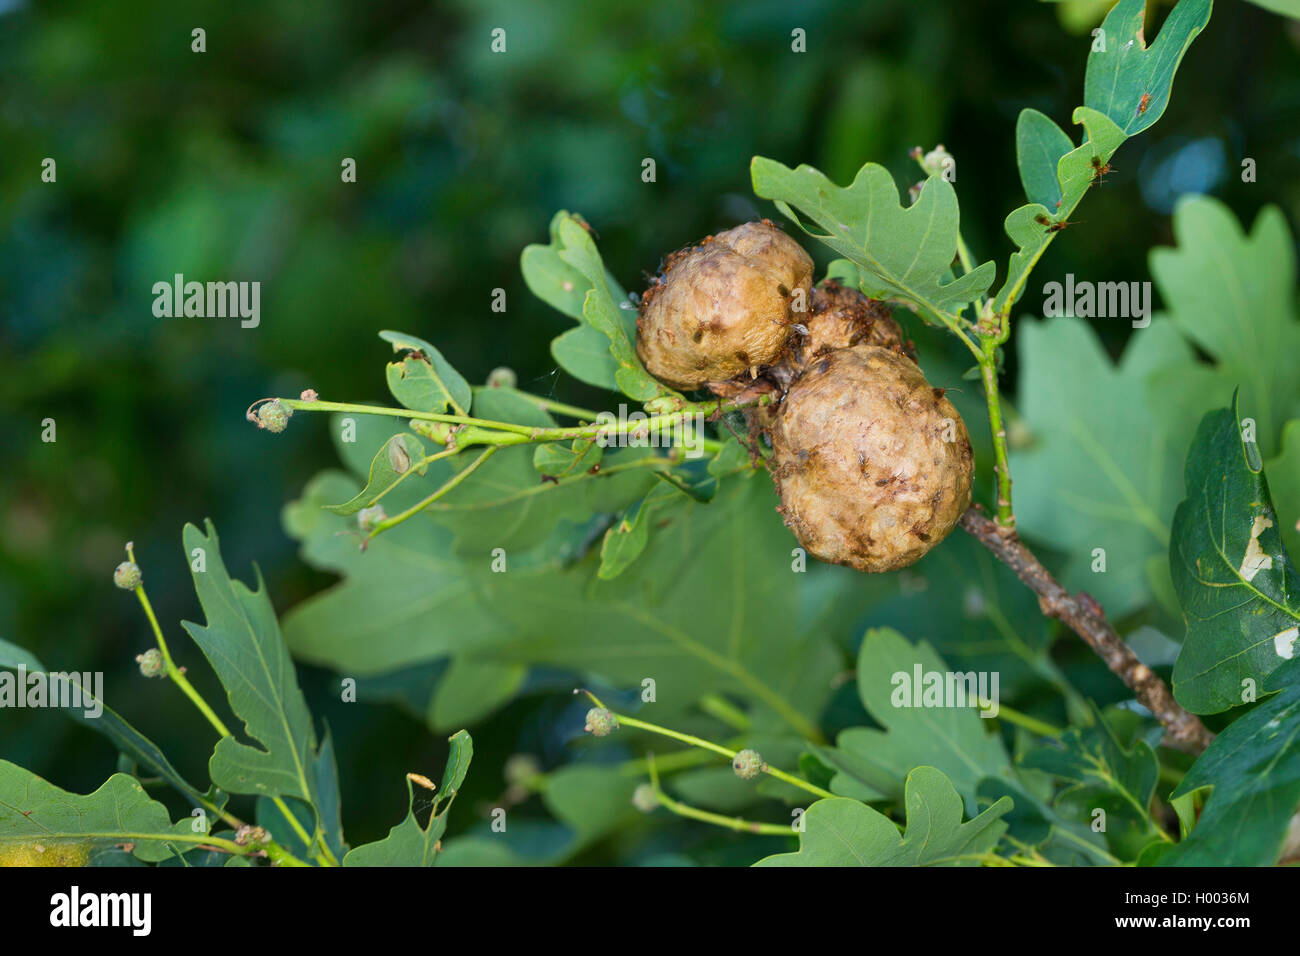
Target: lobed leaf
x,y
1129,82
1073,174
1233,294
584,352
903,252
569,272
843,832
873,763
37,817
241,640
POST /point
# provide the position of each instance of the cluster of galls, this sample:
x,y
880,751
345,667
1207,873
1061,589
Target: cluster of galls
x,y
873,465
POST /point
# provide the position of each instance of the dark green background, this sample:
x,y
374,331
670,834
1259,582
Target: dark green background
x,y
225,165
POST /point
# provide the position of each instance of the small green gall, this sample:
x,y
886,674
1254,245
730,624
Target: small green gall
x,y
600,722
274,416
644,798
127,576
748,764
502,378
151,663
368,518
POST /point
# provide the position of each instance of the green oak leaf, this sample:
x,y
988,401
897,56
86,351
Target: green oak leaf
x,y
583,351
872,763
571,259
35,813
1101,471
398,456
694,617
1116,82
627,537
242,642
108,722
1040,144
1238,588
428,383
408,843
561,459
843,832
1233,294
1254,768
1073,175
404,600
750,632
1129,82
903,252
1105,775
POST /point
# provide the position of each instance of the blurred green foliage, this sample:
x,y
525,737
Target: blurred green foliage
x,y
226,165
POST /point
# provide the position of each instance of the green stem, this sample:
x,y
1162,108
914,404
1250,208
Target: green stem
x,y
310,842
638,767
279,855
174,672
986,355
1006,518
690,739
480,431
445,487
739,824
710,745
1031,724
667,763
560,408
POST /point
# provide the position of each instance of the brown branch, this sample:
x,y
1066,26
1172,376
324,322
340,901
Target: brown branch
x,y
1083,615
